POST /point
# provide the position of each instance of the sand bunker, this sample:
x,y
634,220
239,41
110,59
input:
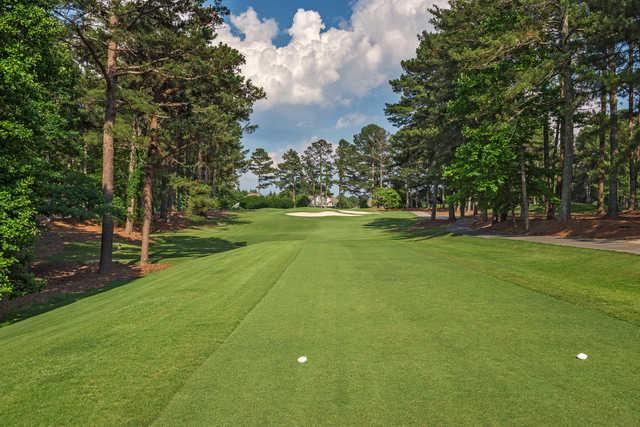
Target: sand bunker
x,y
359,212
320,214
328,213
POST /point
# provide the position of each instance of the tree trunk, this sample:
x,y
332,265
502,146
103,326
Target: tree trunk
x,y
147,191
434,203
106,244
407,197
602,151
293,191
131,205
524,211
612,210
568,109
633,158
452,212
548,178
200,166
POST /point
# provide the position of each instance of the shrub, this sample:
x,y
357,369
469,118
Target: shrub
x,y
17,232
201,204
302,201
345,202
387,198
254,202
230,198
71,193
279,201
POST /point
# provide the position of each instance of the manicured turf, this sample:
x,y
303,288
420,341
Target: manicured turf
x,y
398,329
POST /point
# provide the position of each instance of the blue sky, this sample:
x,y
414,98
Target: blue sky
x,y
325,65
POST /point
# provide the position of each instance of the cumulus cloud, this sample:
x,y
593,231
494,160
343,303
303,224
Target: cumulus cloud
x,y
321,66
351,120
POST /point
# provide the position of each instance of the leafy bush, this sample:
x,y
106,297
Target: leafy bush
x,y
17,232
302,201
277,201
196,196
201,204
71,193
254,202
229,199
345,202
387,198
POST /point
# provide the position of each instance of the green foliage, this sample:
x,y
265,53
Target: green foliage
x,y
36,80
201,204
17,232
196,195
277,201
345,202
387,198
254,202
69,193
261,165
302,201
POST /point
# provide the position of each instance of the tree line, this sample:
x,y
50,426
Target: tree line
x,y
120,110
355,169
512,101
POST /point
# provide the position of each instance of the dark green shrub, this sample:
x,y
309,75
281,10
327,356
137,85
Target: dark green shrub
x,y
387,198
201,204
254,202
70,193
18,230
302,201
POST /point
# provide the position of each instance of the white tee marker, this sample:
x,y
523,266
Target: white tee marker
x,y
302,359
582,356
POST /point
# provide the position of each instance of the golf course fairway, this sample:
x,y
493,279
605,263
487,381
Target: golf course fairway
x,y
398,328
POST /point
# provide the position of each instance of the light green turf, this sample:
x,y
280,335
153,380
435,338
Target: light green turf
x,y
398,329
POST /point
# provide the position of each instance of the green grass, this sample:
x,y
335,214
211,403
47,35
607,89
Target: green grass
x,y
399,329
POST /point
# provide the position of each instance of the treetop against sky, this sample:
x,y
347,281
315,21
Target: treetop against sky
x,y
323,64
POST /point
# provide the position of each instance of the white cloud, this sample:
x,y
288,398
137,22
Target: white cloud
x,y
276,155
351,120
332,66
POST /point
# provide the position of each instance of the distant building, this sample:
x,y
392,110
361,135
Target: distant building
x,y
323,202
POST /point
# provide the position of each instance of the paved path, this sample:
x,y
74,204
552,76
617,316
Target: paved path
x,y
463,226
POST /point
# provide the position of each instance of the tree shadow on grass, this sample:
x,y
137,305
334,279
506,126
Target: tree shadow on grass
x,y
183,246
410,228
56,301
164,248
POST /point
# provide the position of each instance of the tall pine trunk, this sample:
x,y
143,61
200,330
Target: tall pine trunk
x,y
147,191
612,210
434,202
567,126
633,158
524,211
548,210
602,151
106,244
131,204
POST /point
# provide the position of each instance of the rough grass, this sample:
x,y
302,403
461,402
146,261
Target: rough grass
x,y
399,328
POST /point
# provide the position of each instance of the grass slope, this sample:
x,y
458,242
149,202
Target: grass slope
x,y
398,330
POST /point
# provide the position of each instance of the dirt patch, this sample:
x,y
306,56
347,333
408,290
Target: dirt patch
x,y
58,233
626,226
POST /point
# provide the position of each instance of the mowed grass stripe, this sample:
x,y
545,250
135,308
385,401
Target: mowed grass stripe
x,y
118,357
416,343
604,281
